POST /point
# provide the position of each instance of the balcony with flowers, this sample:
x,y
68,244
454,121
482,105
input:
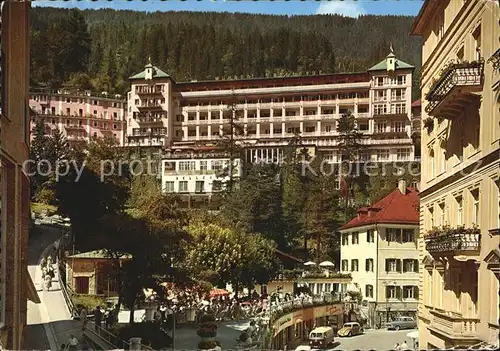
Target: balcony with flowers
x,y
453,241
455,88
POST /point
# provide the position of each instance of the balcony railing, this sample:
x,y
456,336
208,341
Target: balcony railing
x,y
468,76
453,242
454,325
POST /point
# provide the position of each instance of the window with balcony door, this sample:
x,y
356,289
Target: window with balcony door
x,y
442,214
403,154
355,238
369,291
475,206
187,165
380,109
398,94
183,186
369,265
354,265
380,95
383,155
169,187
477,43
381,127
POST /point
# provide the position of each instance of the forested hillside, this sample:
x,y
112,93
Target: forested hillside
x,y
195,45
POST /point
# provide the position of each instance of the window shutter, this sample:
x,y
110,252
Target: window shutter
x,y
415,265
387,295
398,265
404,265
387,265
415,292
366,265
398,292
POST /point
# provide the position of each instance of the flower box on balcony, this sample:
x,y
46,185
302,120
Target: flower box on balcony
x,y
449,239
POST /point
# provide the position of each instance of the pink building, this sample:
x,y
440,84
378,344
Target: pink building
x,y
79,115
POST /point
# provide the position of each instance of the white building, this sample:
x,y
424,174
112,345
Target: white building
x,y
272,111
197,173
379,250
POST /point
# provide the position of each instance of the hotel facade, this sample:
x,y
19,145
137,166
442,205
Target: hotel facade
x,y
460,196
16,286
379,250
79,116
265,114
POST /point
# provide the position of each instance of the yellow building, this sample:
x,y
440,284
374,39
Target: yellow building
x,y
459,241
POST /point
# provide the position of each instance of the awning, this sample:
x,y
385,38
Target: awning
x,y
32,294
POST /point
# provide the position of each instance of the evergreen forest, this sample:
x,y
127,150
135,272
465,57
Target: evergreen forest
x,y
100,49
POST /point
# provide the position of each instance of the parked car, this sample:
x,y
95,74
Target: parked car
x,y
350,329
305,348
321,337
402,323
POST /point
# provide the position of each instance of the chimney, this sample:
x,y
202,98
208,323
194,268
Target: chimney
x,y
402,186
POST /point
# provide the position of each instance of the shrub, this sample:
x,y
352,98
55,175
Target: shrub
x,y
207,345
90,302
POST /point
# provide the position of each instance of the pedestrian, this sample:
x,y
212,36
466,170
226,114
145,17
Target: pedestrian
x,y
397,347
48,282
97,318
42,263
83,318
404,345
49,261
73,343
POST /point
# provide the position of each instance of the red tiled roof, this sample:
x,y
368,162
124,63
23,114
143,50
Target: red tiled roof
x,y
395,208
416,103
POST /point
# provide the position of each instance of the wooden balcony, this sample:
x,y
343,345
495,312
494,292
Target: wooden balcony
x,y
453,244
456,88
454,326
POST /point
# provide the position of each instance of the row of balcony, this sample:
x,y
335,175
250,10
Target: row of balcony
x,y
71,116
450,241
280,104
454,325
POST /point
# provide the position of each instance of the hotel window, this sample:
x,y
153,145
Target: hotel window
x,y
410,265
398,108
354,265
380,109
475,206
403,154
199,186
393,234
398,94
203,165
369,291
401,80
442,214
345,265
379,81
370,236
369,265
380,95
169,187
398,126
392,265
380,127
345,239
355,238
383,155
410,292
187,165
408,235
183,186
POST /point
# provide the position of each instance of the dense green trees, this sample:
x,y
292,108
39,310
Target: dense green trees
x,y
195,45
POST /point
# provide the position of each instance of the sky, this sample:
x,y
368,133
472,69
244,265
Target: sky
x,y
351,8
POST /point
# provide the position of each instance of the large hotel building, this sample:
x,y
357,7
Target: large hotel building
x,y
460,184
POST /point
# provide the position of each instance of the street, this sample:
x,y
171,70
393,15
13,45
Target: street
x,y
381,339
